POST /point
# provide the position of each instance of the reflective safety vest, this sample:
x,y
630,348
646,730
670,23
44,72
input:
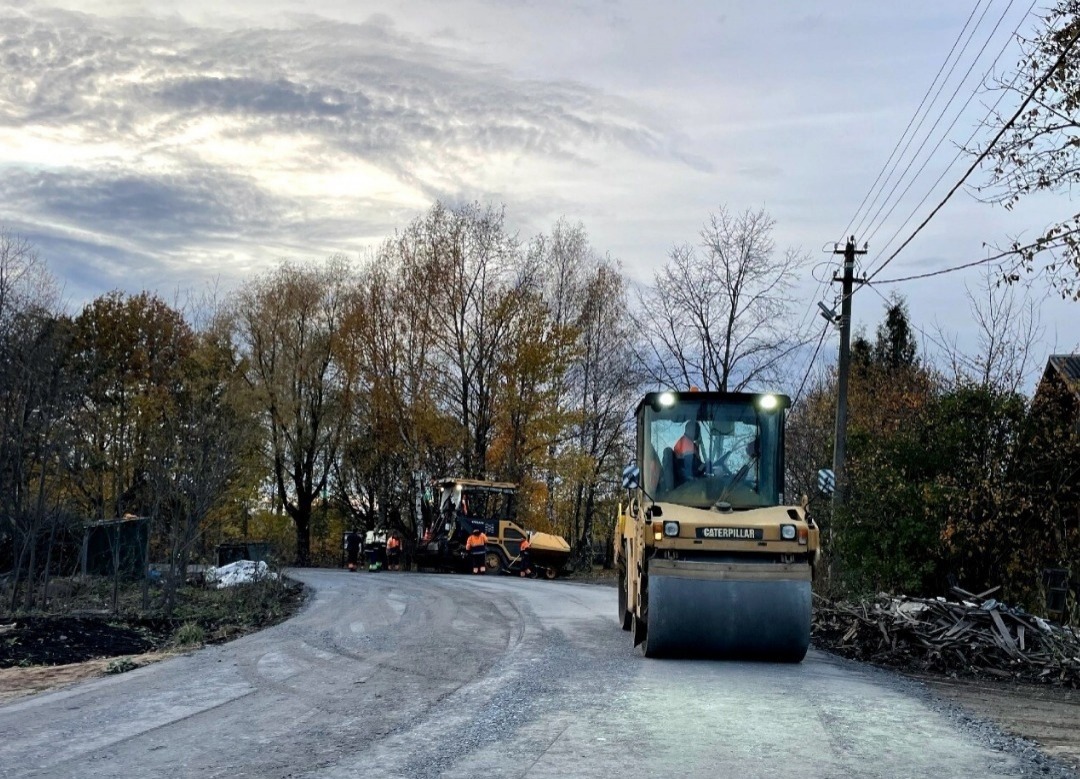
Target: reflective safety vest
x,y
684,446
525,545
393,543
476,541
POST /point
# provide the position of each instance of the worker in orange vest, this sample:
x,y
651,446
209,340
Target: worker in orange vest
x,y
687,458
526,557
393,552
476,547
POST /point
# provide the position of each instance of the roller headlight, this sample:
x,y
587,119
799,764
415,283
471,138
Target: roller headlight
x,y
768,402
787,532
671,529
666,399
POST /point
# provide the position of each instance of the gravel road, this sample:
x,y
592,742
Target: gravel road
x,y
418,675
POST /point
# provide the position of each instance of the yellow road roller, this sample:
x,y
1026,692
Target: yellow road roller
x,y
712,560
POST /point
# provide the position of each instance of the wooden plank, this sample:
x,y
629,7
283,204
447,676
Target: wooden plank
x,y
1003,631
958,629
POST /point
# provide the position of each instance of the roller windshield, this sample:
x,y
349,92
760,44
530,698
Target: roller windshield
x,y
702,452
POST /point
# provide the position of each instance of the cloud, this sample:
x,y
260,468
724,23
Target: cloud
x,y
364,87
255,96
148,211
184,137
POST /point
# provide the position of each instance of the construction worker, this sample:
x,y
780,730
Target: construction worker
x,y
476,547
352,548
687,461
526,556
372,552
393,552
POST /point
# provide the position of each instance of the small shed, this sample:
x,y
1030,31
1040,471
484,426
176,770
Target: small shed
x,y
116,546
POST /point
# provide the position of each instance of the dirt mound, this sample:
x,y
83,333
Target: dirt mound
x,y
59,640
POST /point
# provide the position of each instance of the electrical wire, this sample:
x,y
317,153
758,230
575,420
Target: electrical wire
x,y
930,132
983,155
912,119
943,271
960,151
903,153
810,367
984,261
822,284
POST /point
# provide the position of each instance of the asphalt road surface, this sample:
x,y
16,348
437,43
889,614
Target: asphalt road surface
x,y
421,675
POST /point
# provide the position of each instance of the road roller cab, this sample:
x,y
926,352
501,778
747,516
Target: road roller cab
x,y
712,560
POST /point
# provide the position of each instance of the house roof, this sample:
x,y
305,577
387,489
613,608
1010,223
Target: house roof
x,y
1067,364
1067,367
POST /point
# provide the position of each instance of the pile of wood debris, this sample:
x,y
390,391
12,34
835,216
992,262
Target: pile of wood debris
x,y
976,636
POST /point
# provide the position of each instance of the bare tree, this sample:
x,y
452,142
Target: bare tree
x,y
1040,150
608,377
24,280
717,315
37,403
1008,327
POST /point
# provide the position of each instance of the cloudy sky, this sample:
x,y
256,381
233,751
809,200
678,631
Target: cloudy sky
x,y
146,147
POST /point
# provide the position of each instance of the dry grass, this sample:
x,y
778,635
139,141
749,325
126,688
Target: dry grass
x,y
19,682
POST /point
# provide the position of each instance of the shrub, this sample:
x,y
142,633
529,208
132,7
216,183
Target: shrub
x,y
189,634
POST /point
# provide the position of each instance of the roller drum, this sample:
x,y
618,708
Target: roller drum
x,y
755,620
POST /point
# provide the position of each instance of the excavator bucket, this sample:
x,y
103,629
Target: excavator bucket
x,y
753,620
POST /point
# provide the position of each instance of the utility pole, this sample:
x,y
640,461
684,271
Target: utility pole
x,y
840,446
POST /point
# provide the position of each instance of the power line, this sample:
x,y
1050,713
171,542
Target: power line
x,y
943,271
912,119
960,152
941,116
983,155
915,132
810,367
945,135
1001,255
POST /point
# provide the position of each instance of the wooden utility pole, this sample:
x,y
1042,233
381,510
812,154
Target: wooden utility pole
x,y
840,441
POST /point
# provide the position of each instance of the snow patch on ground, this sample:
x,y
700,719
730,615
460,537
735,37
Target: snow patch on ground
x,y
240,572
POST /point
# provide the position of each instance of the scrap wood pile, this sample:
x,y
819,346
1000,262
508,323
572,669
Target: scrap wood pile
x,y
976,635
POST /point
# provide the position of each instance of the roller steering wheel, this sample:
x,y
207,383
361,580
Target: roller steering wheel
x,y
719,466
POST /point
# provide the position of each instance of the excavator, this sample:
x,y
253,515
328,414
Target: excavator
x,y
712,561
457,505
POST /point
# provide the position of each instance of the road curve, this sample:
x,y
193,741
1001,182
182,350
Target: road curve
x,y
420,675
